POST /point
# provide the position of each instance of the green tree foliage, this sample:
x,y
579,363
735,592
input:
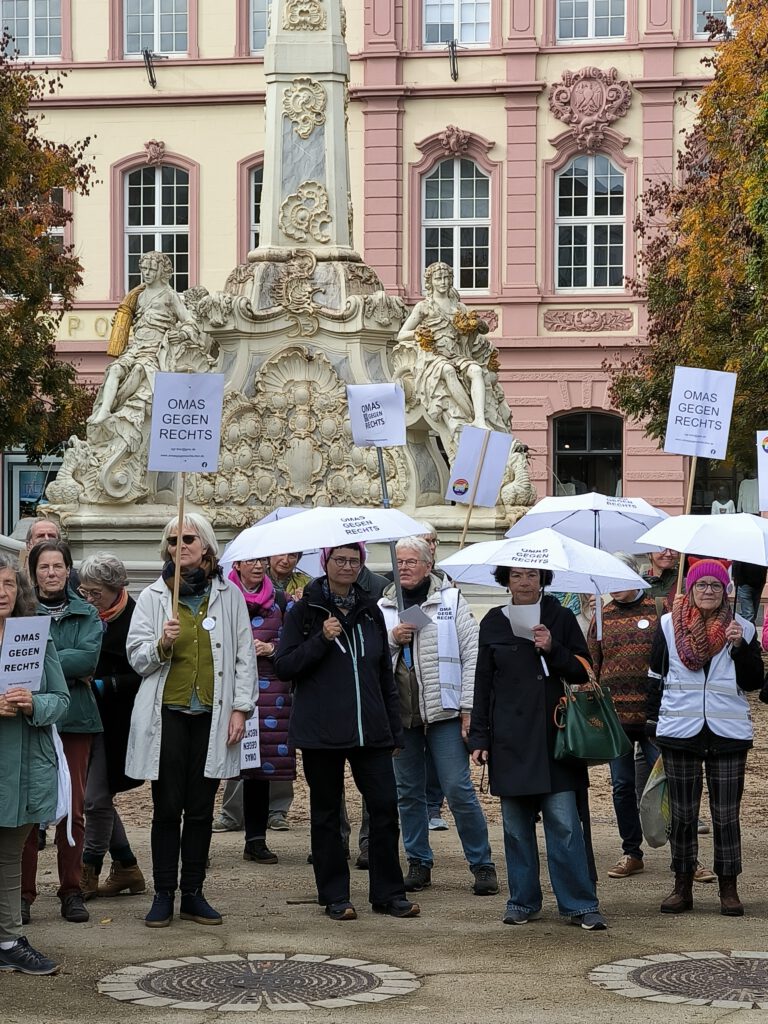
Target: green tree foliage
x,y
704,265
41,402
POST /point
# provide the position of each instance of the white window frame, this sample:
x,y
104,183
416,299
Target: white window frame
x,y
727,18
590,221
157,229
33,53
457,5
254,223
156,34
456,222
265,6
591,36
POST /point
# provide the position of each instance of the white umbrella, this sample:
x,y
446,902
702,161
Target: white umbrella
x,y
612,524
577,567
309,561
322,528
740,538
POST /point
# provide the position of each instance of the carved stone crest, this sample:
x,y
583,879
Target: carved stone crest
x,y
155,152
304,16
589,101
490,316
305,212
588,320
304,103
454,141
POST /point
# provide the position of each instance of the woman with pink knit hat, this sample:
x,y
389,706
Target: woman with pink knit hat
x,y
703,660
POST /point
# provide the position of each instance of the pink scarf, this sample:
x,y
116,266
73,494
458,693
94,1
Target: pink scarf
x,y
257,600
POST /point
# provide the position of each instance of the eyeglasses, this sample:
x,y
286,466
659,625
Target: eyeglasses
x,y
702,587
407,563
89,595
353,563
252,561
517,577
187,538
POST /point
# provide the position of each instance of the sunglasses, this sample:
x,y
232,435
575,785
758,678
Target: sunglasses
x,y
187,538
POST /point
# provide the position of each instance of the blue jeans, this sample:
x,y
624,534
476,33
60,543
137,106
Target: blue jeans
x,y
435,795
449,755
566,854
625,794
749,601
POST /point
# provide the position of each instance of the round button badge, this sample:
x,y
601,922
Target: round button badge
x,y
643,624
208,623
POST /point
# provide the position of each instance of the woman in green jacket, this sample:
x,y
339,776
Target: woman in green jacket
x,y
28,775
76,633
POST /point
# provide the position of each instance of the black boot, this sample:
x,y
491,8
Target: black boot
x,y
257,849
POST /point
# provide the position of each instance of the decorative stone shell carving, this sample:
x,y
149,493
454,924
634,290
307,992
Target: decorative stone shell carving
x,y
589,101
155,152
304,16
304,103
589,320
305,212
454,141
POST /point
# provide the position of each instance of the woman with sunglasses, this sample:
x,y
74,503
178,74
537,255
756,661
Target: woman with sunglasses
x,y
703,660
345,709
198,671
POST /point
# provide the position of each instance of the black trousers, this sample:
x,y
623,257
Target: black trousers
x,y
182,789
375,779
255,808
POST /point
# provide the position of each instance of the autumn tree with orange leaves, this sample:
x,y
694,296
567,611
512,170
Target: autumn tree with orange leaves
x,y
704,262
41,402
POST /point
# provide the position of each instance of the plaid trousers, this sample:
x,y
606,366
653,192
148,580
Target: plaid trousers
x,y
725,782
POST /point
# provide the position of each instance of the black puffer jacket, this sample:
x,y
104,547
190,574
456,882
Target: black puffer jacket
x,y
512,716
344,693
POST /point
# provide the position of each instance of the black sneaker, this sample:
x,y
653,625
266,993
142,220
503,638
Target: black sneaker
x,y
26,911
257,849
73,908
419,877
22,957
161,912
398,907
195,907
342,910
486,882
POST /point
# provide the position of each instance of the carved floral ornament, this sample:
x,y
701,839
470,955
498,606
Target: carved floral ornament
x,y
588,320
588,101
304,16
454,141
155,152
305,213
304,103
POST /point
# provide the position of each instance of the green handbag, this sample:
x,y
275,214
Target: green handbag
x,y
588,728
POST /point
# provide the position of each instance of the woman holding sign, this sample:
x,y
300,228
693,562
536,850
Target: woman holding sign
x,y
199,683
28,776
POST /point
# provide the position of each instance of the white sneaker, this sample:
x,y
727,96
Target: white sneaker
x,y
438,825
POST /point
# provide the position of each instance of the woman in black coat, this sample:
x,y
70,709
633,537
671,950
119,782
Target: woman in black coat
x,y
345,708
103,584
518,684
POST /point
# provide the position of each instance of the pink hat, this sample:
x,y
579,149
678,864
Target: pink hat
x,y
714,567
325,554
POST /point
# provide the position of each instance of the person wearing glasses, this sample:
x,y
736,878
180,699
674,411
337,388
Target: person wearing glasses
x,y
345,710
285,576
662,576
434,669
104,585
199,682
703,659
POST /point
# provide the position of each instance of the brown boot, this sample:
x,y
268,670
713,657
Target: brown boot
x,y
730,904
681,897
89,881
122,878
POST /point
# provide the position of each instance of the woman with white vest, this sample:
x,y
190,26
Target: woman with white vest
x,y
703,660
434,665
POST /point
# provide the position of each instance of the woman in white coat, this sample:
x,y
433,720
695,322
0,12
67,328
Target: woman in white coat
x,y
198,690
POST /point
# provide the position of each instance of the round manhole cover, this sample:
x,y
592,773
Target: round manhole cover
x,y
736,980
256,981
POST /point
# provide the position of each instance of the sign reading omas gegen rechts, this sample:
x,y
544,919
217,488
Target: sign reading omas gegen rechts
x,y
700,408
186,422
22,653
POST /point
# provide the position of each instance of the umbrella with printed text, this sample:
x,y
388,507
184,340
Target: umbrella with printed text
x,y
310,559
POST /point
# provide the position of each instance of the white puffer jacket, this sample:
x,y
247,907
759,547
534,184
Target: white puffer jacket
x,y
425,650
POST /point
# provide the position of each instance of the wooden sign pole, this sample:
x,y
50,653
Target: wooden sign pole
x,y
181,479
687,510
475,485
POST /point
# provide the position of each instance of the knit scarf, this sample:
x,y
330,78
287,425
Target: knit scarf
x,y
698,639
117,608
260,600
194,582
345,603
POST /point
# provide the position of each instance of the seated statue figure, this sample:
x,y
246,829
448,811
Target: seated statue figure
x,y
447,365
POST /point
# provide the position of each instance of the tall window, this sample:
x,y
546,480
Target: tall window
x,y
457,219
56,233
35,26
156,25
706,9
469,21
588,450
590,224
259,24
256,180
590,19
157,217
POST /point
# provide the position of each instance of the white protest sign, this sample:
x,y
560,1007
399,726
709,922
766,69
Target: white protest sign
x,y
377,415
250,750
762,470
22,653
186,422
467,467
700,410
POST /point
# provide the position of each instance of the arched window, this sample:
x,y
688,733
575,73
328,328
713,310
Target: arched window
x,y
589,224
157,208
456,219
588,453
